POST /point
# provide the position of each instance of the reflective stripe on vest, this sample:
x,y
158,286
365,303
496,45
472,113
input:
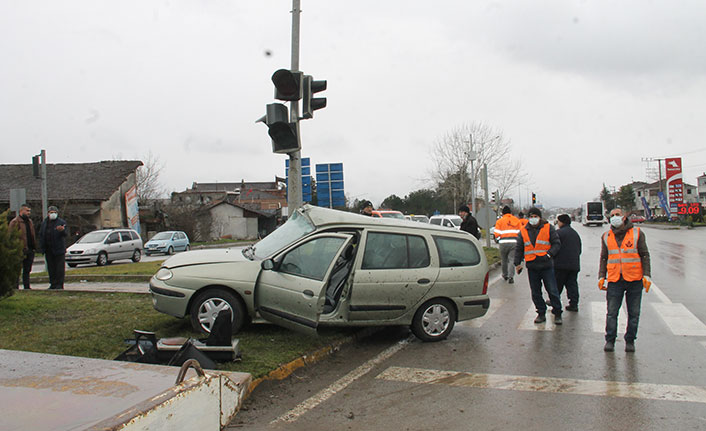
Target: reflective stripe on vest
x,y
507,228
541,244
624,260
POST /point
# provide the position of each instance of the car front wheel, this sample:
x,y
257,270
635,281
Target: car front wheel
x,y
434,320
170,250
102,259
208,304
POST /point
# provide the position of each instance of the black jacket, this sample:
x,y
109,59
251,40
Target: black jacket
x,y
51,240
470,225
569,256
540,262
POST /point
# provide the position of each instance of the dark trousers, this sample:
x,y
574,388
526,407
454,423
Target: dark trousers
x,y
536,277
568,278
632,290
26,269
507,255
56,268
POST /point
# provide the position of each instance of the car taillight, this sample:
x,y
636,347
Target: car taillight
x,y
485,283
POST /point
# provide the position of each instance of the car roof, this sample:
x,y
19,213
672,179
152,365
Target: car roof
x,y
445,215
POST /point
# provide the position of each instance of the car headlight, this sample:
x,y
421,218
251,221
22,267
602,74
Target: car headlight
x,y
163,274
90,251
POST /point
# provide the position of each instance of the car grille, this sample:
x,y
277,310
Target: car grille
x,y
76,252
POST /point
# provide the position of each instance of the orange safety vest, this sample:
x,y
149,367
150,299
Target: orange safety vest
x,y
506,229
623,260
523,222
541,245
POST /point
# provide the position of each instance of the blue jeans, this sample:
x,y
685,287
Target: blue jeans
x,y
614,298
536,276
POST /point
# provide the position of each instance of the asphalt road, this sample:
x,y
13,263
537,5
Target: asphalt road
x,y
502,372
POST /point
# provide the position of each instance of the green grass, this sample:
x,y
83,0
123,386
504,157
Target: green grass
x,y
139,268
492,255
94,325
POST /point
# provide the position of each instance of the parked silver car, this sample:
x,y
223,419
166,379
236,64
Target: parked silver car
x,y
167,242
326,267
105,246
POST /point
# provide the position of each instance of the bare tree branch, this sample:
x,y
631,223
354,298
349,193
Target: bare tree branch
x,y
148,184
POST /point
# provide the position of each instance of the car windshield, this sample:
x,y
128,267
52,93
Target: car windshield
x,y
296,227
456,220
162,236
92,237
392,215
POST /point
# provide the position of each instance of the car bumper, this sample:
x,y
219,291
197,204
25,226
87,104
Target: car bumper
x,y
471,307
169,299
156,249
81,258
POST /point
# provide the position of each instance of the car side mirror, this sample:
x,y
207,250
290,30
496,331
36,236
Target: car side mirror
x,y
267,265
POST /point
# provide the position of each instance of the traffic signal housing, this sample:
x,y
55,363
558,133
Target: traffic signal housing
x,y
288,84
310,103
534,199
35,167
284,135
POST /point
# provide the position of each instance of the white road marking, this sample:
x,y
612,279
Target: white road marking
x,y
680,320
495,304
649,391
598,312
658,292
340,384
528,321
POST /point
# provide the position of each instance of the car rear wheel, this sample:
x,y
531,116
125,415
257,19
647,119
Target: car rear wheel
x,y
136,256
170,251
434,320
102,259
208,304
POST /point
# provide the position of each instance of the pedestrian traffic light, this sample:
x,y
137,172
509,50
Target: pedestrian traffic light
x,y
285,135
309,103
35,167
534,199
288,84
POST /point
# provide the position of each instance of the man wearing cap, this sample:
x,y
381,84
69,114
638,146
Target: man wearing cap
x,y
506,230
625,263
567,261
367,209
469,223
52,234
29,241
537,244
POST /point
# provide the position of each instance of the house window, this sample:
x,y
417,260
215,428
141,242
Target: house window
x,y
639,194
688,191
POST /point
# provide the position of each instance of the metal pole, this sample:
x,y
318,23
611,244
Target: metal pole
x,y
294,186
487,211
473,202
45,205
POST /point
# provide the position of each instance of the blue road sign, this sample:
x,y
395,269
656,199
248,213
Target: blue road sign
x,y
329,185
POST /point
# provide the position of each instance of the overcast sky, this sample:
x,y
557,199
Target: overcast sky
x,y
583,89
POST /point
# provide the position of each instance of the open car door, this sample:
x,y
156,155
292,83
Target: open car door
x,y
291,288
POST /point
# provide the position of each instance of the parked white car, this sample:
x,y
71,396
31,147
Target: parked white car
x,y
447,220
105,246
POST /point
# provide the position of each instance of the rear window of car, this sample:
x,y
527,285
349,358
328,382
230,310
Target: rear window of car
x,y
394,251
134,235
456,252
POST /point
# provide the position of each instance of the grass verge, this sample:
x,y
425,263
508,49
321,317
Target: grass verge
x,y
139,268
95,325
492,255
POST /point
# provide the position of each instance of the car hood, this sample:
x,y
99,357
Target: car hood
x,y
158,243
201,257
83,247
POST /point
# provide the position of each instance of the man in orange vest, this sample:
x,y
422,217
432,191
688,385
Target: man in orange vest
x,y
625,263
506,230
537,243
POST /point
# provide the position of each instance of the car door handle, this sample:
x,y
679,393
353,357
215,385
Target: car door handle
x,y
423,281
308,293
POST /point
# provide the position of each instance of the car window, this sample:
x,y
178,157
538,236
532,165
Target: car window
x,y
296,227
448,223
456,252
435,221
92,237
391,250
456,221
113,237
313,258
134,235
162,236
125,236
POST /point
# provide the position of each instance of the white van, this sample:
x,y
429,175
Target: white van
x,y
104,246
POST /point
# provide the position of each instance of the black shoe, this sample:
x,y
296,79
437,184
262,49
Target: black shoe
x,y
609,346
629,346
572,308
557,319
510,281
504,277
540,319
548,302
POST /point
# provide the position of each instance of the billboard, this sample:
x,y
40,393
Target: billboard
x,y
675,186
133,212
329,185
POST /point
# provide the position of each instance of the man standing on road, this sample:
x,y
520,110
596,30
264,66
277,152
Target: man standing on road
x,y
567,263
52,236
29,240
506,230
627,269
469,223
537,243
367,209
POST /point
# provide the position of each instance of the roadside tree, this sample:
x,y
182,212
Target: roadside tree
x,y
607,198
626,197
149,186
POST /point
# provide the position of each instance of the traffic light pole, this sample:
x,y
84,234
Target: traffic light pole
x,y
294,184
490,222
43,157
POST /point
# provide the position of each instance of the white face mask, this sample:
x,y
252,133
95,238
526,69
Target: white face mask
x,y
616,221
534,221
53,216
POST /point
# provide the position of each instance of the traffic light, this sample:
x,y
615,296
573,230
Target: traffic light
x,y
494,197
285,135
534,199
35,167
288,84
309,103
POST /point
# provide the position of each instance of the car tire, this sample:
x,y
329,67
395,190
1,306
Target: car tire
x,y
170,250
136,256
102,259
434,320
206,306
72,265
188,247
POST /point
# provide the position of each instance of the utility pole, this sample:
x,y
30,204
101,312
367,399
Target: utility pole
x,y
45,197
659,168
294,185
487,207
472,156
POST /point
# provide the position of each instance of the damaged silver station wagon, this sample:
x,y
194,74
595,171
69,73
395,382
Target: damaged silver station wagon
x,y
326,267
